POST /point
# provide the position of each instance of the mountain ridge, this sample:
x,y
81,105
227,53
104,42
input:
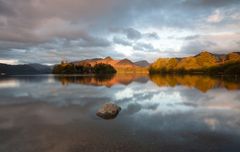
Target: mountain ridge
x,y
24,69
203,60
142,63
122,66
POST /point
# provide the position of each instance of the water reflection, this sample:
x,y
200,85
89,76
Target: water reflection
x,y
171,113
200,82
103,80
8,83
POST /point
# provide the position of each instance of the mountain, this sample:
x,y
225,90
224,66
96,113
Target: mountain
x,y
125,63
142,63
41,68
201,82
204,61
122,66
24,69
106,80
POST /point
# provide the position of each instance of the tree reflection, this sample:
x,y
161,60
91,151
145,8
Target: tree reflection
x,y
200,82
103,80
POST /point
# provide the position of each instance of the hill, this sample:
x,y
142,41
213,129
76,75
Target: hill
x,y
84,68
24,69
142,63
204,62
122,66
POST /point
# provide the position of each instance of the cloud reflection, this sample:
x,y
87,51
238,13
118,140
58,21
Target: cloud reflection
x,y
179,113
9,84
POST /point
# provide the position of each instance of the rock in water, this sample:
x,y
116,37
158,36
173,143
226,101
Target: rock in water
x,y
108,111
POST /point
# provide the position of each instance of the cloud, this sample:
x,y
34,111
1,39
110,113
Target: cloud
x,y
130,33
144,47
216,17
8,61
121,41
210,3
188,37
191,37
192,48
133,108
89,41
74,27
238,43
5,9
133,34
216,43
152,35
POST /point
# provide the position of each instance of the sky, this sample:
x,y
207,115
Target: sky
x,y
48,31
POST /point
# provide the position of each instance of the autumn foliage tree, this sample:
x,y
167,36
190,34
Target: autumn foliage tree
x,y
205,63
70,68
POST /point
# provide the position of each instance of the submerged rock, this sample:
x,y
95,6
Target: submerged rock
x,y
108,111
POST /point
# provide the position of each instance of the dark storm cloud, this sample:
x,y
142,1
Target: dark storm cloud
x,y
143,47
121,41
152,35
5,9
41,21
133,34
130,33
90,41
210,3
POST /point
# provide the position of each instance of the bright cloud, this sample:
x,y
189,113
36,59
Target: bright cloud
x,y
216,17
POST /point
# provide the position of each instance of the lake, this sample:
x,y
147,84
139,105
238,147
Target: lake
x,y
48,113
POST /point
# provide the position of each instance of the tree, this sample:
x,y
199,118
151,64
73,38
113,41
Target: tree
x,y
70,68
102,68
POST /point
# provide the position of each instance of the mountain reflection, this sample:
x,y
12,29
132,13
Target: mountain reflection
x,y
200,82
103,80
36,108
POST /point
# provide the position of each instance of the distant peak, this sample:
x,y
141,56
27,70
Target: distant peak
x,y
142,63
108,58
125,59
204,52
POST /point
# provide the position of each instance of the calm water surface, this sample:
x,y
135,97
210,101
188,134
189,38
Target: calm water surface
x,y
159,113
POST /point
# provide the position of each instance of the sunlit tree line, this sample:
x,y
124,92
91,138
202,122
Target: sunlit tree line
x,y
70,68
203,63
